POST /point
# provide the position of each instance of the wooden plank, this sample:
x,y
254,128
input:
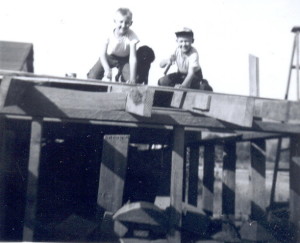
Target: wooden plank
x,y
233,109
162,118
32,180
229,179
177,99
208,179
295,185
193,175
140,101
112,172
278,110
176,191
258,179
202,102
254,75
272,109
51,101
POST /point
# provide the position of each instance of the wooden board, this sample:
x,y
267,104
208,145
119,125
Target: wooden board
x,y
233,109
32,180
24,98
258,179
253,75
140,101
176,191
177,99
283,111
51,101
113,172
229,180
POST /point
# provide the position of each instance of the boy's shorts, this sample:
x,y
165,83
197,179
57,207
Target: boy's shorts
x,y
97,71
173,79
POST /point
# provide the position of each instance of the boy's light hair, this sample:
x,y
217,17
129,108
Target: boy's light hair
x,y
125,12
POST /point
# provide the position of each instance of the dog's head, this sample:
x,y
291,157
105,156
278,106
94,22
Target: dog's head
x,y
145,54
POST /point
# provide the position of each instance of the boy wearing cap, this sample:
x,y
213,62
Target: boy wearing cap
x,y
189,74
118,49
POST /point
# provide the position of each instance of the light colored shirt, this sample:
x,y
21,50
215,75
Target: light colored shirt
x,y
120,46
184,61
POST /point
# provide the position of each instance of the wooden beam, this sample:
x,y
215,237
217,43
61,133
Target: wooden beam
x,y
277,110
229,179
295,185
57,102
39,98
160,117
140,101
208,179
176,191
112,172
32,180
66,83
233,109
177,99
258,179
254,75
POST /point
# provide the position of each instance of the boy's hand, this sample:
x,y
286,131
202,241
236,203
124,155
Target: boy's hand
x,y
172,59
178,86
107,75
131,81
134,42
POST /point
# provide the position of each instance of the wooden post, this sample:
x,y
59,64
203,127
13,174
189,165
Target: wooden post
x,y
208,178
229,178
32,180
112,172
176,191
193,175
2,179
295,185
253,75
258,180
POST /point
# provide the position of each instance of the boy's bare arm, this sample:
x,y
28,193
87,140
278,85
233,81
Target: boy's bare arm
x,y
188,79
168,61
107,69
133,62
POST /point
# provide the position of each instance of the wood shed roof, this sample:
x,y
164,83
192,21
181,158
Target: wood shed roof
x,y
16,56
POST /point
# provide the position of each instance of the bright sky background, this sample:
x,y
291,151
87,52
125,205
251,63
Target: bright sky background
x,y
66,36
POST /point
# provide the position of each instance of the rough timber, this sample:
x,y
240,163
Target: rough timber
x,y
150,115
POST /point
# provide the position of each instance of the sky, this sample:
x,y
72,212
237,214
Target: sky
x,y
66,36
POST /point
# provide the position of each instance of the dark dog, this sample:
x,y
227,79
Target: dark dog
x,y
145,56
204,85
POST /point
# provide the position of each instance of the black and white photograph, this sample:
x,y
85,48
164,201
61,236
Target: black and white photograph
x,y
127,121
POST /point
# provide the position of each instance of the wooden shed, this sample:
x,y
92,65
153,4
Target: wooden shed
x,y
16,56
